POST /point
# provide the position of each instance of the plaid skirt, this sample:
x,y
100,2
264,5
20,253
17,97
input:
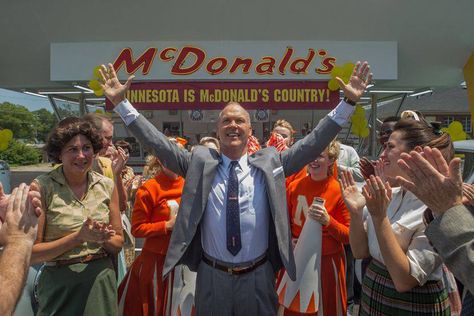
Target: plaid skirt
x,y
379,296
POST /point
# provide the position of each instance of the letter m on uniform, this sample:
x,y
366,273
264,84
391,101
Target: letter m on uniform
x,y
143,61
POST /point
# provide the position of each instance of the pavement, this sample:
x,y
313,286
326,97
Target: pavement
x,y
27,174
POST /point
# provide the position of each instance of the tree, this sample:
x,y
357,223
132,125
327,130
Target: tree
x,y
46,121
18,119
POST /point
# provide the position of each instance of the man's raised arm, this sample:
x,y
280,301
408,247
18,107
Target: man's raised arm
x,y
170,155
307,149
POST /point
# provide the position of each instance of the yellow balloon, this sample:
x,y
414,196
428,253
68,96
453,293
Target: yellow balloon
x,y
99,92
337,72
348,68
96,73
333,85
357,120
455,131
355,129
364,133
456,126
6,136
359,110
94,85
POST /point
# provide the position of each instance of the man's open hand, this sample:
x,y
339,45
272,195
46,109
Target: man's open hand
x,y
113,89
358,81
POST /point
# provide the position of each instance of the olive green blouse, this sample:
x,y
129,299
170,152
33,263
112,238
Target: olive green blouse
x,y
65,213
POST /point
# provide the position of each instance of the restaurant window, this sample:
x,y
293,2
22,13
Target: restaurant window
x,y
446,120
466,123
171,128
465,120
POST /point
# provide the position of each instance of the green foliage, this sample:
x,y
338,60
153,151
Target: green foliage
x,y
24,124
46,121
20,154
18,119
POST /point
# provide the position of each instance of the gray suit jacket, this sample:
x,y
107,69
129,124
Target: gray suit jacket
x,y
452,235
199,168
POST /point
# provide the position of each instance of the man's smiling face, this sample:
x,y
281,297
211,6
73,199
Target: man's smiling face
x,y
234,129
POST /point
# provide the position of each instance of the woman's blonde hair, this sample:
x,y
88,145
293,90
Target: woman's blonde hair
x,y
333,150
209,139
153,165
284,124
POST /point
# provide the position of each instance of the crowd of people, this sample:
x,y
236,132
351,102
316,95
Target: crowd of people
x,y
231,228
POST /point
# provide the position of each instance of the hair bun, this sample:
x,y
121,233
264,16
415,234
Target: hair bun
x,y
436,126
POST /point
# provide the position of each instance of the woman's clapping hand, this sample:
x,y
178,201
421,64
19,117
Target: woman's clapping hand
x,y
378,195
353,198
94,231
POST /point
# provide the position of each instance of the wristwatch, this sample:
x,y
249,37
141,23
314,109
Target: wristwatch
x,y
349,101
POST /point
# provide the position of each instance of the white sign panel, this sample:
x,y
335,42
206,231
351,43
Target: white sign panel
x,y
216,60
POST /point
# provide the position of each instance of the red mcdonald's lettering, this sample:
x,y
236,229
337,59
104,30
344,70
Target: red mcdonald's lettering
x,y
220,61
199,55
164,53
328,64
244,62
266,66
145,60
305,62
285,60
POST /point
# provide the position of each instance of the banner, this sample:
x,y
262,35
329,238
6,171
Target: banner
x,y
214,95
221,60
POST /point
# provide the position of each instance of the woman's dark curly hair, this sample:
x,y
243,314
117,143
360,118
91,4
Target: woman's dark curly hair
x,y
66,130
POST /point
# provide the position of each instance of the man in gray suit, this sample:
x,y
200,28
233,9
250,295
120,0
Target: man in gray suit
x,y
232,225
452,230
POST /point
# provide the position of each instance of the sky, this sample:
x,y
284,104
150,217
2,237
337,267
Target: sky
x,y
32,103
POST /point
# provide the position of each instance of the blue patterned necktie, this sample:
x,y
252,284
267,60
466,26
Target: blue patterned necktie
x,y
233,212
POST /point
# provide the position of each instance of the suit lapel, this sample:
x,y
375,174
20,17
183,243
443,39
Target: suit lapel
x,y
208,175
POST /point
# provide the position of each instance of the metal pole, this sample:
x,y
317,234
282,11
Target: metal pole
x,y
55,107
373,130
82,105
401,103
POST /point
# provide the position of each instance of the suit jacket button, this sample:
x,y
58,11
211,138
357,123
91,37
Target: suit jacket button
x,y
183,246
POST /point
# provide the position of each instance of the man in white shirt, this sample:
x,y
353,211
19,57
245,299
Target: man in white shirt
x,y
232,225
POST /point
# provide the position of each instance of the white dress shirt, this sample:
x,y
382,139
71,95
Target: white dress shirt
x,y
405,213
254,213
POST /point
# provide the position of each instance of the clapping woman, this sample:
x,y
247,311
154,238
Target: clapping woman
x,y
79,228
404,275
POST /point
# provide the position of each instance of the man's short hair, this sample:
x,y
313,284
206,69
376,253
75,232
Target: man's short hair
x,y
97,119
